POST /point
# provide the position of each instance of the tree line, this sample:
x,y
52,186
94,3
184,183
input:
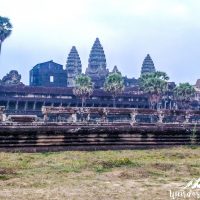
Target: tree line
x,y
155,85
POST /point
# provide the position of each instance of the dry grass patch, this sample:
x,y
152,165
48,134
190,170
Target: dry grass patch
x,y
135,174
6,173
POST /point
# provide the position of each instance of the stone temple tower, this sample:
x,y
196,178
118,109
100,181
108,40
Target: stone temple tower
x,y
97,65
148,65
73,66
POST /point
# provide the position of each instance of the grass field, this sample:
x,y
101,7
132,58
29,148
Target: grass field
x,y
130,174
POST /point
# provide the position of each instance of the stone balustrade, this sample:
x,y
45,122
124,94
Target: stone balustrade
x,y
99,114
99,128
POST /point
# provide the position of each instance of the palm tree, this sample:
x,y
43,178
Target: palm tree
x,y
83,87
183,93
154,84
5,29
114,84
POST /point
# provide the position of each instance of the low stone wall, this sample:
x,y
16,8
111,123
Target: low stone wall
x,y
32,137
132,115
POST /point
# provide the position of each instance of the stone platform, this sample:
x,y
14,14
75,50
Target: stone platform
x,y
34,137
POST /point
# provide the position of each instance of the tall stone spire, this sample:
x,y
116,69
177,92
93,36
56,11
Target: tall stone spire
x,y
73,66
148,65
97,65
115,70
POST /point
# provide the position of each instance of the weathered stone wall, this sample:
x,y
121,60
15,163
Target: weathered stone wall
x,y
59,136
113,128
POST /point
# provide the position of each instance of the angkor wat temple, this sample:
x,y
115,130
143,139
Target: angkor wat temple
x,y
52,85
51,74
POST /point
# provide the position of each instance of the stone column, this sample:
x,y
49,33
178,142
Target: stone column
x,y
104,114
34,105
7,105
160,116
187,117
26,105
16,105
45,117
133,117
2,115
88,117
44,112
74,117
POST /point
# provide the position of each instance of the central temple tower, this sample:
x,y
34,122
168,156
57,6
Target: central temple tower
x,y
97,70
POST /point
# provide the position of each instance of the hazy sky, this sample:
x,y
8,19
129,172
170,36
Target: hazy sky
x,y
169,30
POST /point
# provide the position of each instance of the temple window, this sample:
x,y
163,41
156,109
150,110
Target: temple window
x,y
51,79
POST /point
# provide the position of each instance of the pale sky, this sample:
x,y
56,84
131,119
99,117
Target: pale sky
x,y
169,30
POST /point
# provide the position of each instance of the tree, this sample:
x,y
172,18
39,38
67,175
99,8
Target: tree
x,y
83,87
155,85
5,29
183,93
114,84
